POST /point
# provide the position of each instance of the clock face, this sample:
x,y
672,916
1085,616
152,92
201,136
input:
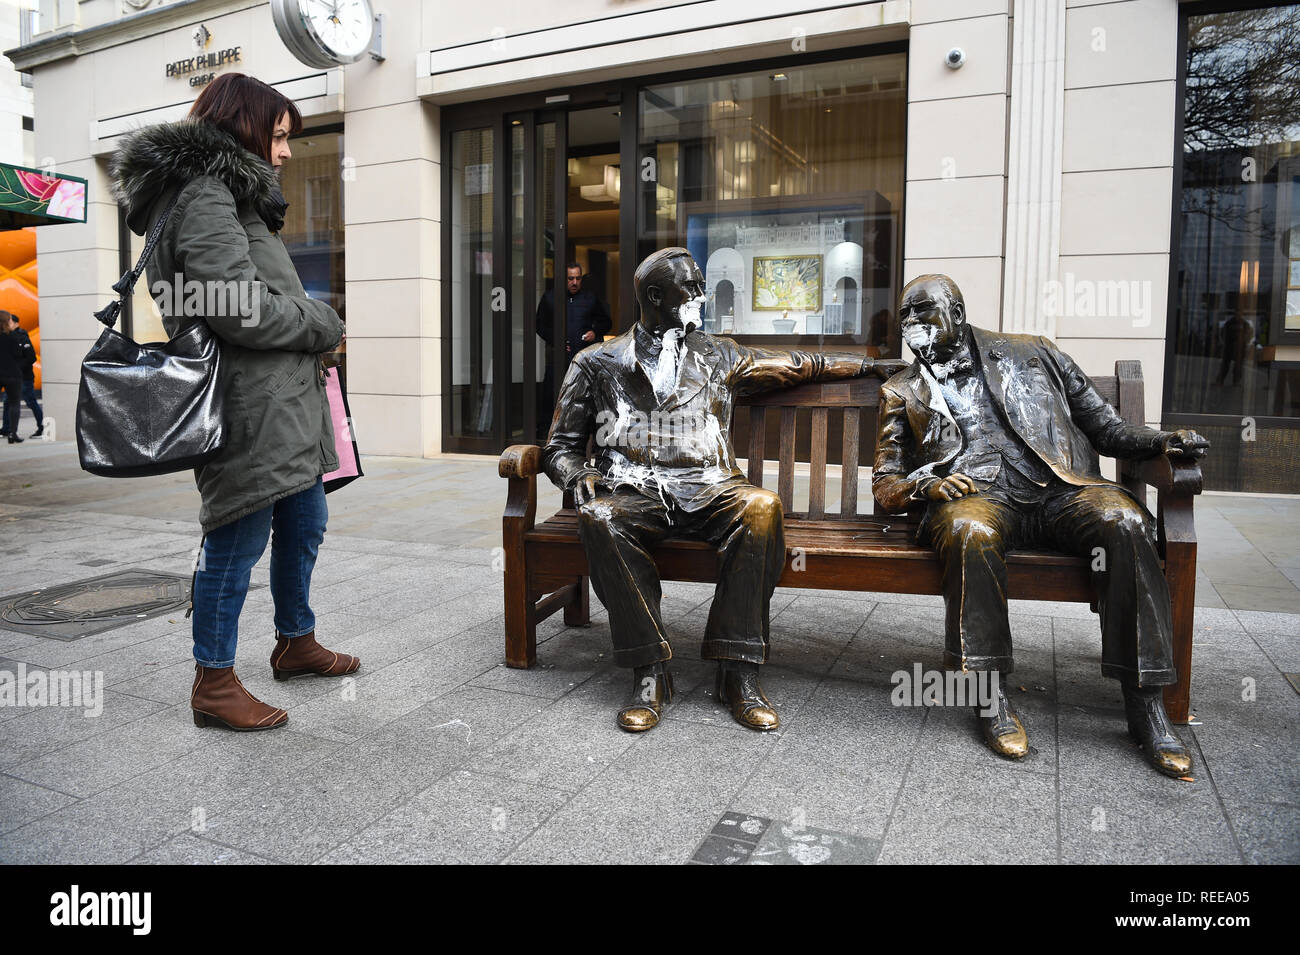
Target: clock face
x,y
342,27
324,33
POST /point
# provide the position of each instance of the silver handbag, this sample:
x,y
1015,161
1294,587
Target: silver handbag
x,y
149,408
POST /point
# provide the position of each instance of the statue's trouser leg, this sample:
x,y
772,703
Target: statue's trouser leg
x,y
745,523
972,535
1108,528
617,530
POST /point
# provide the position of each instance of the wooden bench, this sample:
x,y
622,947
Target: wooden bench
x,y
546,567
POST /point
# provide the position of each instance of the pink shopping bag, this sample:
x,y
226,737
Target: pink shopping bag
x,y
345,443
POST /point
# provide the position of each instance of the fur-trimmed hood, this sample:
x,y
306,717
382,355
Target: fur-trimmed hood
x,y
153,159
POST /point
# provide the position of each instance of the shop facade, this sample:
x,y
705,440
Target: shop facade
x,y
812,156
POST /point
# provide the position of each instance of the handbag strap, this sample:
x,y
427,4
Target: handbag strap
x,y
126,284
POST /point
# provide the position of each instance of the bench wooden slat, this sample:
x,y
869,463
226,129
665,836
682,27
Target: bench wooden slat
x,y
863,523
849,470
815,537
567,520
857,392
817,465
757,443
785,474
817,545
1108,387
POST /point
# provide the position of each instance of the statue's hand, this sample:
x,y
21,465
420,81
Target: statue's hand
x,y
1185,444
584,488
950,488
886,368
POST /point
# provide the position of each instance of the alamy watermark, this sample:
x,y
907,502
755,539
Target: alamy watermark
x,y
213,298
132,910
1086,298
640,429
919,687
82,688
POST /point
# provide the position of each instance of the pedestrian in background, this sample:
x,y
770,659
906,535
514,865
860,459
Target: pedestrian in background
x,y
586,322
11,375
27,358
221,164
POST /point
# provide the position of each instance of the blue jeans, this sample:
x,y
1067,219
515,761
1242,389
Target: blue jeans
x,y
296,527
29,396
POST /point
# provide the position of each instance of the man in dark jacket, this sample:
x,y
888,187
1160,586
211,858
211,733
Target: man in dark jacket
x,y
586,322
998,435
11,375
586,317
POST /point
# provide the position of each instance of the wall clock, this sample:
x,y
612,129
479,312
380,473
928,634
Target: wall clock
x,y
324,33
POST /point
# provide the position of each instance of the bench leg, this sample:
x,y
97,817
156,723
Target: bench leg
x,y
521,620
1180,571
578,612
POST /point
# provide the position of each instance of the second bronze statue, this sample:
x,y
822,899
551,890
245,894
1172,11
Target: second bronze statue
x,y
997,435
657,403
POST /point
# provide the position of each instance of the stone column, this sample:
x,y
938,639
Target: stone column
x,y
1033,233
392,221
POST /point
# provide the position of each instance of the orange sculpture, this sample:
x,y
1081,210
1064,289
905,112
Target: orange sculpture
x,y
18,288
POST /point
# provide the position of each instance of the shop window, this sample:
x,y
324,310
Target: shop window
x,y
1234,335
787,187
312,183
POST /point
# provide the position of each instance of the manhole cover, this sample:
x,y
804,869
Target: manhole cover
x,y
72,611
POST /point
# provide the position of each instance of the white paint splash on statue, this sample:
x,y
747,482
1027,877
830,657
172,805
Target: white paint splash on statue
x,y
920,338
664,380
701,433
668,368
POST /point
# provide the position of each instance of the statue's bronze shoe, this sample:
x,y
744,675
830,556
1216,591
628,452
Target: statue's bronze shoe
x,y
737,686
1148,724
652,688
1003,731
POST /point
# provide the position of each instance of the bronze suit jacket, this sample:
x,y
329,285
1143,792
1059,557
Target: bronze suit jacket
x,y
1047,400
678,450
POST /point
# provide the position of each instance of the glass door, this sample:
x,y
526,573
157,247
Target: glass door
x,y
469,261
536,245
502,239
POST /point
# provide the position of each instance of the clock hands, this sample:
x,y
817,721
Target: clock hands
x,y
340,28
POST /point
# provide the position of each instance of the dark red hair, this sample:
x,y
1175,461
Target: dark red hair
x,y
247,109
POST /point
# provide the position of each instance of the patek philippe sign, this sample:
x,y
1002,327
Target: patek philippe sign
x,y
201,67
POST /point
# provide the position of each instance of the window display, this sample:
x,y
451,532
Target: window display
x,y
813,271
786,186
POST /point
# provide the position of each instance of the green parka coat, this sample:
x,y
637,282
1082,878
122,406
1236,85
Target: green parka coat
x,y
224,228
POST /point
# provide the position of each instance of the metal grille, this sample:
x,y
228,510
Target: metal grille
x,y
84,607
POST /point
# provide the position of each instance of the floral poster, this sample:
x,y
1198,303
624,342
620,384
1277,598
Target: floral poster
x,y
30,197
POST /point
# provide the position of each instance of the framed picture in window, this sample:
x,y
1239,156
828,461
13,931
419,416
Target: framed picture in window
x,y
787,283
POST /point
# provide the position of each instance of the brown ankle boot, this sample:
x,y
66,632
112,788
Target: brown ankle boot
x,y
218,698
298,656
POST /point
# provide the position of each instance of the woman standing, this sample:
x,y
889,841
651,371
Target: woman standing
x,y
221,166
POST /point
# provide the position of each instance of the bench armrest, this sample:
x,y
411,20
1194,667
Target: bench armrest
x,y
1168,475
520,461
519,464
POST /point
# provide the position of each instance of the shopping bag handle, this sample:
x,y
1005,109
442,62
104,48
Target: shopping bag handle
x,y
126,284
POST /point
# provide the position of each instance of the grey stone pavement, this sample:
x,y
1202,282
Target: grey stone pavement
x,y
439,753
